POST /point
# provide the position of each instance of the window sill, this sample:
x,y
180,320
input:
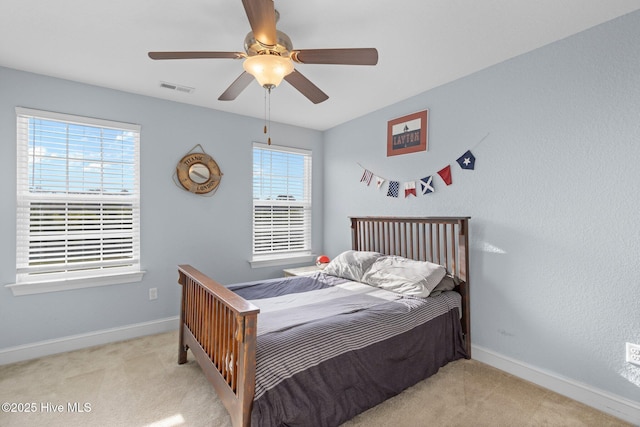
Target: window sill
x,y
30,288
279,260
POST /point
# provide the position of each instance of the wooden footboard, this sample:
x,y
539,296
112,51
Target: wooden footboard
x,y
220,329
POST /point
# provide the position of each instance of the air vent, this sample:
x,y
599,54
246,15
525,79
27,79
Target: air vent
x,y
178,88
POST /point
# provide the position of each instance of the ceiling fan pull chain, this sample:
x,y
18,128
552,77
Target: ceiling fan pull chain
x,y
269,118
265,112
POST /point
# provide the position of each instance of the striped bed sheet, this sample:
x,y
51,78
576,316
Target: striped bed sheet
x,y
309,327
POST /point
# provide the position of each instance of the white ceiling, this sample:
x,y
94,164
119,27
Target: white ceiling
x,y
421,43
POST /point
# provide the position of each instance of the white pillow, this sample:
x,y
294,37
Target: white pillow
x,y
405,276
351,264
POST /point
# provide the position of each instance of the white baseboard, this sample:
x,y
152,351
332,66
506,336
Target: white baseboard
x,y
606,402
75,342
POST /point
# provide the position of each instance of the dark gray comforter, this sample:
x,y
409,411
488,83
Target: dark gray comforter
x,y
328,349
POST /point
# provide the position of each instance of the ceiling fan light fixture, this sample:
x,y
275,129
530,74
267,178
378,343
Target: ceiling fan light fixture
x,y
268,69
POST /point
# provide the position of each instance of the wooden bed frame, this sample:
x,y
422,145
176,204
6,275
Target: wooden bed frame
x,y
220,327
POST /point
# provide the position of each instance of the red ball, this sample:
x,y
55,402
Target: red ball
x,y
322,259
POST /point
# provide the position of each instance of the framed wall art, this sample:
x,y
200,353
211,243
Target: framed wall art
x,y
407,134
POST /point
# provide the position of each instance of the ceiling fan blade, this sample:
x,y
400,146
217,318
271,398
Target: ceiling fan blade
x,y
305,87
357,56
195,55
236,87
262,18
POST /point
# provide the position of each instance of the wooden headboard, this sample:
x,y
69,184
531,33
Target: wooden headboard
x,y
441,240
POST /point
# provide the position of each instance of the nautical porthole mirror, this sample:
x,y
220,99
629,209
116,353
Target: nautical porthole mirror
x,y
198,173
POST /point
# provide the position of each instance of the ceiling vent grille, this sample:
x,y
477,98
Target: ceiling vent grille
x,y
178,88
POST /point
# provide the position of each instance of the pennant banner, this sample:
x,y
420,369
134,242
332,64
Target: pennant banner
x,y
467,161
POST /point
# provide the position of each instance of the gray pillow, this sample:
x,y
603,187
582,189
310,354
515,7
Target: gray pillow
x,y
351,264
448,283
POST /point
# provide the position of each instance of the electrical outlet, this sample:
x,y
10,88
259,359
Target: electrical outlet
x,y
153,293
633,353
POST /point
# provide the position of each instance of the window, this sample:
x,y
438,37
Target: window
x,y
281,202
78,205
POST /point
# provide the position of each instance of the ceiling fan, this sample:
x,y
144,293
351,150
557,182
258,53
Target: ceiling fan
x,y
269,56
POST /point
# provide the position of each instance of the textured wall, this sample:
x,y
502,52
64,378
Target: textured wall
x,y
553,200
211,233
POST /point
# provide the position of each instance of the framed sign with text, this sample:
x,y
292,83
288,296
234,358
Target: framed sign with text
x,y
407,134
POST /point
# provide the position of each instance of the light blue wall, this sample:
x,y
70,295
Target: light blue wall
x,y
553,201
211,233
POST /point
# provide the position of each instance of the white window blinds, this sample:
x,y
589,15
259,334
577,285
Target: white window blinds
x,y
281,200
78,204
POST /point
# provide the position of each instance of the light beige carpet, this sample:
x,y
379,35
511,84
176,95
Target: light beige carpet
x,y
139,383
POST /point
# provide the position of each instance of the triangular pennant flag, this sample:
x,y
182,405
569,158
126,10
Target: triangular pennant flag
x,y
467,160
426,185
379,182
409,188
445,174
366,176
394,186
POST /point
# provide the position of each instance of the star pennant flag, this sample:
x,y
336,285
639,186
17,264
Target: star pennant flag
x,y
467,160
426,184
366,177
409,188
379,182
445,174
394,187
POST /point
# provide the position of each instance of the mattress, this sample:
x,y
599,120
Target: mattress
x,y
329,348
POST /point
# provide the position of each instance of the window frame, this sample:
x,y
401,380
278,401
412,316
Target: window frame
x,y
273,258
125,207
